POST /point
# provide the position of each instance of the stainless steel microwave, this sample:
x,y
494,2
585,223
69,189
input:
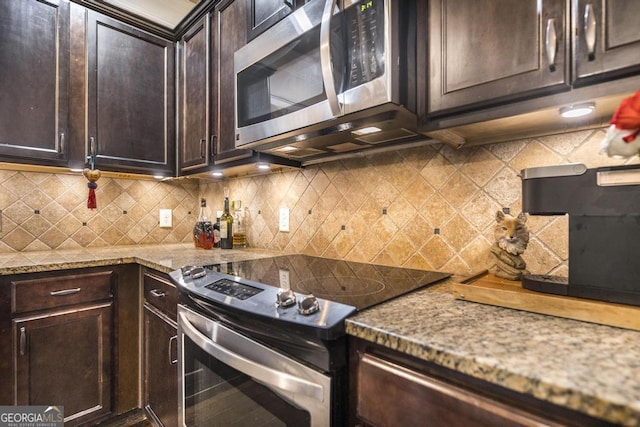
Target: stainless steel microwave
x,y
311,84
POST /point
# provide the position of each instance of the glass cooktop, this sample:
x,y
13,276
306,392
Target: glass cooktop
x,y
357,284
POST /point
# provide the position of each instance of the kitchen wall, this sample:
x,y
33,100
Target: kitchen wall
x,y
43,211
440,204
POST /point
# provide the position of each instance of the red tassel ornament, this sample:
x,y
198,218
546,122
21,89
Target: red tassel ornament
x,y
92,175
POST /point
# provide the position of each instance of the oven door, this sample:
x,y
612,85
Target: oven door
x,y
228,379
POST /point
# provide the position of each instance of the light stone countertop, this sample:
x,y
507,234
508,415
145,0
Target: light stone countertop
x,y
165,258
590,368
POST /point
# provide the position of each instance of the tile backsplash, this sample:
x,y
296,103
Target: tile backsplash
x,y
43,211
431,207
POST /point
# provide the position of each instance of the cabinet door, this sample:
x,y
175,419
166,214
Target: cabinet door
x,y
230,34
64,358
607,42
263,14
194,96
419,399
131,102
483,53
34,73
161,369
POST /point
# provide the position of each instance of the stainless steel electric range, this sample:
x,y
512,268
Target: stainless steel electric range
x,y
262,342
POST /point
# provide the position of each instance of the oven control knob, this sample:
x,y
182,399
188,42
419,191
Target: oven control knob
x,y
187,269
308,305
193,271
286,298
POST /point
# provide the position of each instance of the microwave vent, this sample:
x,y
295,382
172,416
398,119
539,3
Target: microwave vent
x,y
298,153
346,146
387,136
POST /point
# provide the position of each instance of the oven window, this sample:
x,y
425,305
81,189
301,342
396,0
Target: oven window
x,y
218,395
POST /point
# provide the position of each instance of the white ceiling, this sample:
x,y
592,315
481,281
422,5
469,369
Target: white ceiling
x,y
167,13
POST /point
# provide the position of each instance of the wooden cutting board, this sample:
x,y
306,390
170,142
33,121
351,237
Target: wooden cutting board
x,y
486,288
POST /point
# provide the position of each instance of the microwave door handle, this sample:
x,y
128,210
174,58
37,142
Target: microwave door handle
x,y
325,58
264,374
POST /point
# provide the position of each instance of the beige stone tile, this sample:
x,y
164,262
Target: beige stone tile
x,y
438,171
480,210
555,236
481,166
400,248
53,237
535,154
540,260
18,212
418,230
437,251
505,187
37,225
437,211
18,239
458,232
401,211
458,190
418,191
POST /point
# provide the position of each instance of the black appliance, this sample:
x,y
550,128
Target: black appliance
x,y
603,205
271,333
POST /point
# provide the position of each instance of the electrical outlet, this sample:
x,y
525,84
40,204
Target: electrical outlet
x,y
283,222
165,218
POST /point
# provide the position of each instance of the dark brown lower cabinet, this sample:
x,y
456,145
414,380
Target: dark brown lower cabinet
x,y
161,368
389,388
62,331
160,350
64,358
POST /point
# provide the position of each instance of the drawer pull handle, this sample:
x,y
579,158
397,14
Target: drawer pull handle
x,y
64,292
590,25
157,293
23,340
551,44
172,361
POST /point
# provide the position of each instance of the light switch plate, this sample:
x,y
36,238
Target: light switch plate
x,y
283,223
165,218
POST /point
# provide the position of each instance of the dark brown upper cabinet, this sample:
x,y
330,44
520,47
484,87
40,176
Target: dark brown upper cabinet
x,y
483,53
607,42
263,14
34,78
230,34
131,99
194,95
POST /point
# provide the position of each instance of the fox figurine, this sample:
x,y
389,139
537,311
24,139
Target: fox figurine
x,y
512,238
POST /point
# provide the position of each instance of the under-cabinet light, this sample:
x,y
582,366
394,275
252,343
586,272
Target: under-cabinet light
x,y
263,166
578,110
217,174
366,131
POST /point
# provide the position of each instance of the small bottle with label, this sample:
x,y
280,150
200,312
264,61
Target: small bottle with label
x,y
216,230
226,224
239,233
203,229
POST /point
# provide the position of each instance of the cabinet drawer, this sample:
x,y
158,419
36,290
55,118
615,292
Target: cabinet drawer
x,y
57,291
419,399
161,293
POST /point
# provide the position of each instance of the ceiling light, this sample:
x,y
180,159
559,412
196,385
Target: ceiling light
x,y
366,131
578,110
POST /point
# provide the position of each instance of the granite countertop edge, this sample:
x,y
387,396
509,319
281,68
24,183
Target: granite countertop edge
x,y
468,348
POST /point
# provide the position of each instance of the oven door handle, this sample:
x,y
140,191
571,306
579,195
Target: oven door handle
x,y
325,58
266,375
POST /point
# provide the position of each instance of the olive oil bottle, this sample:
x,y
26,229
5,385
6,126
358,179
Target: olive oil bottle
x,y
226,224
